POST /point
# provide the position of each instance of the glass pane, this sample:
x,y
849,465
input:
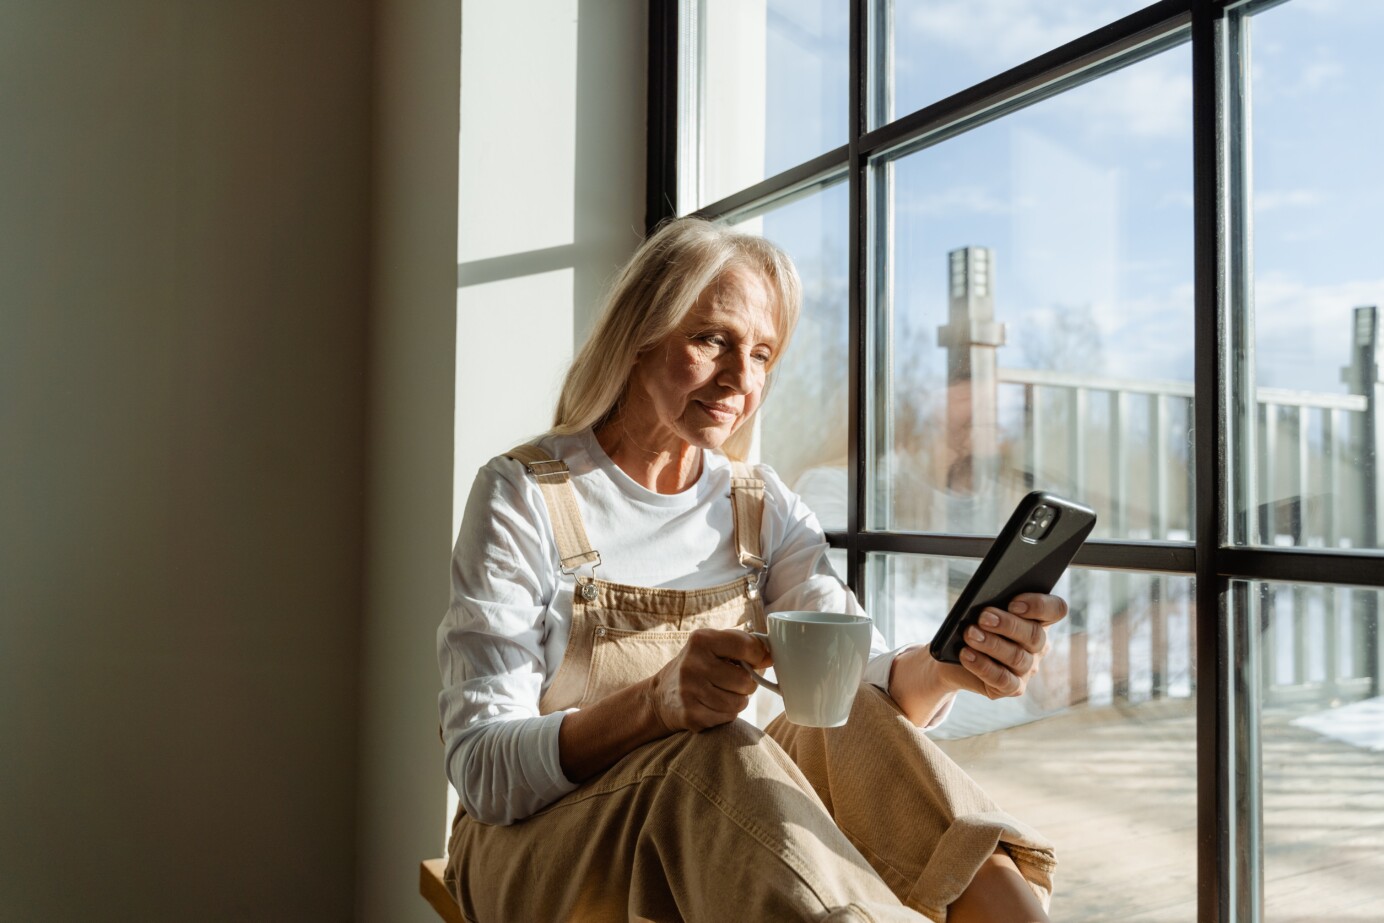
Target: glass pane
x,y
838,559
942,46
1100,753
1321,736
774,77
1317,106
803,424
1039,327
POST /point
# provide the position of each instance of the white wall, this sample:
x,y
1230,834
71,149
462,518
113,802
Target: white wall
x,y
183,295
498,262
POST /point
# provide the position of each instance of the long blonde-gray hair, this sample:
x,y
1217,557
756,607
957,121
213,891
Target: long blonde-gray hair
x,y
648,301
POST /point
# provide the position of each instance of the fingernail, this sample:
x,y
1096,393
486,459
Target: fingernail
x,y
1018,608
968,655
975,634
989,620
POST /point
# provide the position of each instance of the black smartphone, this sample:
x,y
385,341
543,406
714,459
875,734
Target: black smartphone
x,y
1029,555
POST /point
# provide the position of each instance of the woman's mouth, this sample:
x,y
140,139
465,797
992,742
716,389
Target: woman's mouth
x,y
718,411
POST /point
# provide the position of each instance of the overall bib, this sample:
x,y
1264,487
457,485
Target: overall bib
x,y
865,822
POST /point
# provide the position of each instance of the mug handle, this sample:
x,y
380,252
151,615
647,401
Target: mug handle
x,y
766,683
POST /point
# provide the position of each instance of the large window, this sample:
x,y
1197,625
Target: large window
x,y
1127,253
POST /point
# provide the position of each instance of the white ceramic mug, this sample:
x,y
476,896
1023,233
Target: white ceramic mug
x,y
819,659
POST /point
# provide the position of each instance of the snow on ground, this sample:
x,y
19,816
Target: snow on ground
x,y
1360,724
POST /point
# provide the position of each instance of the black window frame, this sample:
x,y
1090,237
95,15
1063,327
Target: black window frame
x,y
1229,860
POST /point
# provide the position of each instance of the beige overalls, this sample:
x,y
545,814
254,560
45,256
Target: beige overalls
x,y
869,821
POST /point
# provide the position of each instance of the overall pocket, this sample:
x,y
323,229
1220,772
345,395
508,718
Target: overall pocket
x,y
622,656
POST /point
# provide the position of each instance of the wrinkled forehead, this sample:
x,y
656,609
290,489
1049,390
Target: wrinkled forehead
x,y
742,290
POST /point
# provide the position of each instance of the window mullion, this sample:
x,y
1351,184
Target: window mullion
x,y
857,341
1219,818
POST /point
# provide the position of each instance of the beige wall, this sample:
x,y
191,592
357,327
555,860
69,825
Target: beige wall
x,y
412,331
229,289
184,243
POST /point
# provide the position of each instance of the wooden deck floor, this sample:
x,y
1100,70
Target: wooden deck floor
x,y
1115,789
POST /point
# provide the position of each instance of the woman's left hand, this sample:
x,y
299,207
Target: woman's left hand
x,y
1002,653
1004,650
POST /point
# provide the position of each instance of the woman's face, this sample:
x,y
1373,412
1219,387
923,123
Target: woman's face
x,y
704,381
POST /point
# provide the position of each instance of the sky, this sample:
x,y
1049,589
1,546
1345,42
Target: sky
x,y
1086,198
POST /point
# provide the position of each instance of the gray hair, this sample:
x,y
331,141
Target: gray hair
x,y
649,300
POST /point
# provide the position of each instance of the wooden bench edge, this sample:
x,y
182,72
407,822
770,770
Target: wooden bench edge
x,y
434,890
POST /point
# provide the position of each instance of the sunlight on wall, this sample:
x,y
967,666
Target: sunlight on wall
x,y
515,228
514,340
518,128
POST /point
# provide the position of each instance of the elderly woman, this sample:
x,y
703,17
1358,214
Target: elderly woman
x,y
591,657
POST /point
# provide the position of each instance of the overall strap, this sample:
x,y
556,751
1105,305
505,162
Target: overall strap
x,y
747,504
555,481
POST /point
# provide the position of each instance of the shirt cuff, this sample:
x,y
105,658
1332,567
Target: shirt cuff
x,y
556,784
877,675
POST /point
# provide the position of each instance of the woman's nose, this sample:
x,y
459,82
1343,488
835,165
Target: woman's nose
x,y
739,371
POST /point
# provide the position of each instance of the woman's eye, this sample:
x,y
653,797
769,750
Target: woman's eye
x,y
762,358
714,339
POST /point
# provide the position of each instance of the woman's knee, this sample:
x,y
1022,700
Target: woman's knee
x,y
724,746
745,771
998,892
737,758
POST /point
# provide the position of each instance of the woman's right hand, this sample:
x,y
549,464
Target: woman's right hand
x,y
701,687
704,685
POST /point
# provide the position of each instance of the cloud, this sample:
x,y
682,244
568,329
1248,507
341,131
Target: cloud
x,y
1318,7
1301,233
1304,330
1152,334
973,199
1276,288
1266,200
1177,199
1003,33
1282,71
1302,340
1148,100
1319,74
1136,339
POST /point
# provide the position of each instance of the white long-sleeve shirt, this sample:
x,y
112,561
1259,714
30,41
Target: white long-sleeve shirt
x,y
504,634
